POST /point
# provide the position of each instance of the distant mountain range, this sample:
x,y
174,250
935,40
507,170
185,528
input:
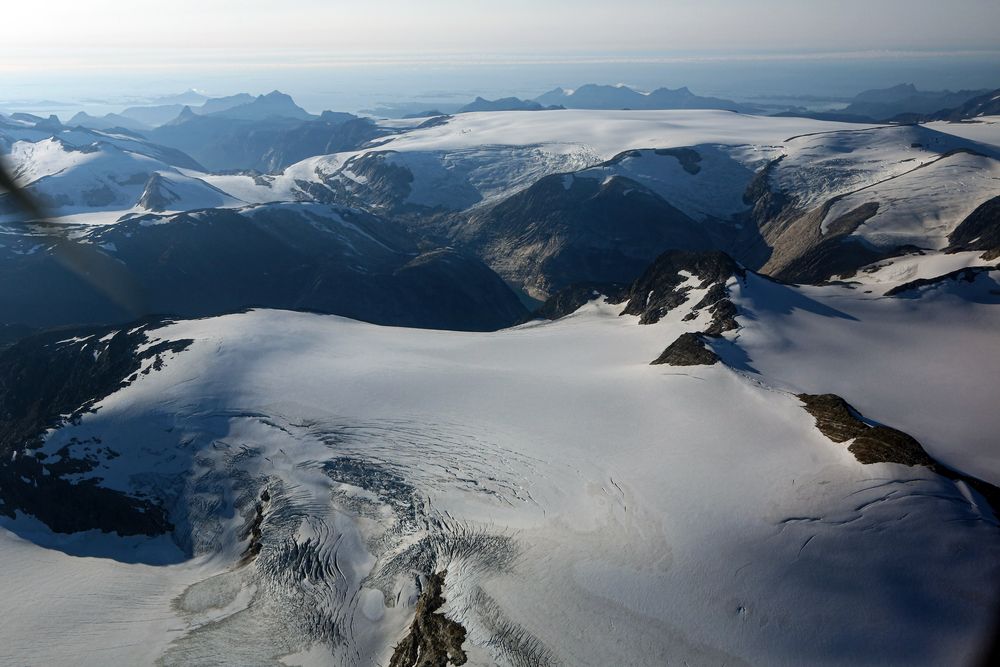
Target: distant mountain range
x,y
151,116
264,132
592,96
904,103
987,104
504,104
241,106
222,142
269,132
589,96
905,98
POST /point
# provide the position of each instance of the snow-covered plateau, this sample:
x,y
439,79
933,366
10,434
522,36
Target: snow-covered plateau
x,y
663,513
773,444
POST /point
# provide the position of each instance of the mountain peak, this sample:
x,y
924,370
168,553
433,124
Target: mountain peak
x,y
275,95
184,116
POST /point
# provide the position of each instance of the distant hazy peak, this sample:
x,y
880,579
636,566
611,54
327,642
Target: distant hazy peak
x,y
275,103
603,96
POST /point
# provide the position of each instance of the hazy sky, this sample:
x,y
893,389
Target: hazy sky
x,y
103,55
494,26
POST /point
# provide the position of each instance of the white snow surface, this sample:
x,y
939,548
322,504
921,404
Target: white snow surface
x,y
714,190
820,166
474,159
604,133
889,273
101,182
670,514
984,130
922,207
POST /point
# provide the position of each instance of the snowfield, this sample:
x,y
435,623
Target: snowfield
x,y
470,160
605,133
682,514
583,506
465,160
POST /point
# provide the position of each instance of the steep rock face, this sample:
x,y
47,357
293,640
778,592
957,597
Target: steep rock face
x,y
50,379
666,283
979,231
155,196
564,230
803,254
292,256
792,245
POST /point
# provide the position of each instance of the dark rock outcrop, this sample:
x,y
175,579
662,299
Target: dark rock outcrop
x,y
155,195
254,529
688,350
876,443
434,640
814,257
663,287
44,378
688,157
979,231
840,422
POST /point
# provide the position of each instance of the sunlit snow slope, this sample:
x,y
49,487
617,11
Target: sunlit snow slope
x,y
668,514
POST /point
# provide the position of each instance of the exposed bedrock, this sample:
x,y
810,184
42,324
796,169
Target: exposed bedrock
x,y
876,443
688,350
434,640
50,379
979,231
